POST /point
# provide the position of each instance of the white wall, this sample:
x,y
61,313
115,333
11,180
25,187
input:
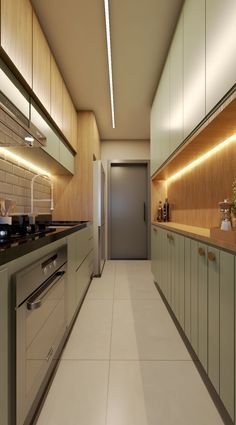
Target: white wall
x,y
111,150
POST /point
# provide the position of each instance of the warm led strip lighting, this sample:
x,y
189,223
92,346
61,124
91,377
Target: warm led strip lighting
x,y
108,35
23,162
202,158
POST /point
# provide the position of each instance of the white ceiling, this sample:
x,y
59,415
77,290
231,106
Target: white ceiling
x,y
141,32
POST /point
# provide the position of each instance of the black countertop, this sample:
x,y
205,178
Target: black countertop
x,y
29,243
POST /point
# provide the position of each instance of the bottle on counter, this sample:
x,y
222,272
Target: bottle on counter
x,y
160,212
166,210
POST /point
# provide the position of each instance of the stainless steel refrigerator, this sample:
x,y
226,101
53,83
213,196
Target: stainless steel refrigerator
x,y
98,217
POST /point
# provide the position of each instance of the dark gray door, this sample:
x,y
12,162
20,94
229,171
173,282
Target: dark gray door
x,y
128,211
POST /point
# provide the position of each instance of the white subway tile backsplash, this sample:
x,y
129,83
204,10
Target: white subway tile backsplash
x,y
15,183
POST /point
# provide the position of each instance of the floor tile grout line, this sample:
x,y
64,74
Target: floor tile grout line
x,y
109,364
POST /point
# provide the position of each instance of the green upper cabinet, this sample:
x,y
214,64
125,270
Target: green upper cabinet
x,y
194,64
220,49
16,35
165,112
160,122
176,88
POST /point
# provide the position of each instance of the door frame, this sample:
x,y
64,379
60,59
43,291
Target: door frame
x,y
127,161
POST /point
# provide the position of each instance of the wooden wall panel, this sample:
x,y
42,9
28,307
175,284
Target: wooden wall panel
x,y
73,195
194,197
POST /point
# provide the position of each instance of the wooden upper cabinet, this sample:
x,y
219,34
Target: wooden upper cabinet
x,y
41,65
16,34
69,120
56,93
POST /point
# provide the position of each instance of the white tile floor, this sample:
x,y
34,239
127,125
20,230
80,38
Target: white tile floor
x,y
125,363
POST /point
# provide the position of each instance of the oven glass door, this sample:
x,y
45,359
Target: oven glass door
x,y
41,325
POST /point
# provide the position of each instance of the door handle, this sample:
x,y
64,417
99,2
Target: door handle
x,y
144,211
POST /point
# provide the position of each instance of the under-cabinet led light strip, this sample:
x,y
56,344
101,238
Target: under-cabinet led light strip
x,y
24,162
108,36
202,158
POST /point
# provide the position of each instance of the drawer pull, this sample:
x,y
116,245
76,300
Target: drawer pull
x,y
201,252
171,237
211,256
154,229
168,236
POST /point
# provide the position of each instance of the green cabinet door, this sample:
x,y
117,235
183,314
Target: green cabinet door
x,y
214,317
176,87
227,331
194,64
187,287
181,280
194,295
4,358
220,49
154,247
202,304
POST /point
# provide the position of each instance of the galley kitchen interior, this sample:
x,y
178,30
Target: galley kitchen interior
x,y
117,212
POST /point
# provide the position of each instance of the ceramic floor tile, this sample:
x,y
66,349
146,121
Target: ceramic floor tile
x,y
101,288
90,337
144,330
78,394
135,286
158,393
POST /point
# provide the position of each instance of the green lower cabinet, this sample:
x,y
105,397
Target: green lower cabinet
x,y
154,250
194,295
181,280
227,281
187,287
214,317
202,305
174,247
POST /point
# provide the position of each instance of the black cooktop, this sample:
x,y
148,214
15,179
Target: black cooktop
x,y
15,235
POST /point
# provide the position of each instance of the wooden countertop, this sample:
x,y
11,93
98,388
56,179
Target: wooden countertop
x,y
199,233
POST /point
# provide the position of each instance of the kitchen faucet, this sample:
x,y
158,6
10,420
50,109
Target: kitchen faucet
x,y
32,200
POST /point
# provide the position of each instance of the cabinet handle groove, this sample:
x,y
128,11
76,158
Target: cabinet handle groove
x,y
211,256
201,251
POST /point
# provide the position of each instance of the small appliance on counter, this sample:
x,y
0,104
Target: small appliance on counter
x,y
225,210
225,232
160,212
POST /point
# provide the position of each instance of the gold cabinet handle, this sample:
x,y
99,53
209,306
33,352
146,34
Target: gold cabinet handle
x,y
211,256
168,236
201,251
171,237
154,229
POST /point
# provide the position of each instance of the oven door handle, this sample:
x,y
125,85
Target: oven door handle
x,y
35,301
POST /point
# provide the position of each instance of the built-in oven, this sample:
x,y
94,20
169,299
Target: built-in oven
x,y
40,328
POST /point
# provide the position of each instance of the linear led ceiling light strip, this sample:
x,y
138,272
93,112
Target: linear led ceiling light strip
x,y
109,58
202,158
23,162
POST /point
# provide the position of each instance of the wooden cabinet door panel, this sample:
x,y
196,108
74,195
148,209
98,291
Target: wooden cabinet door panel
x,y
16,35
41,65
56,93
